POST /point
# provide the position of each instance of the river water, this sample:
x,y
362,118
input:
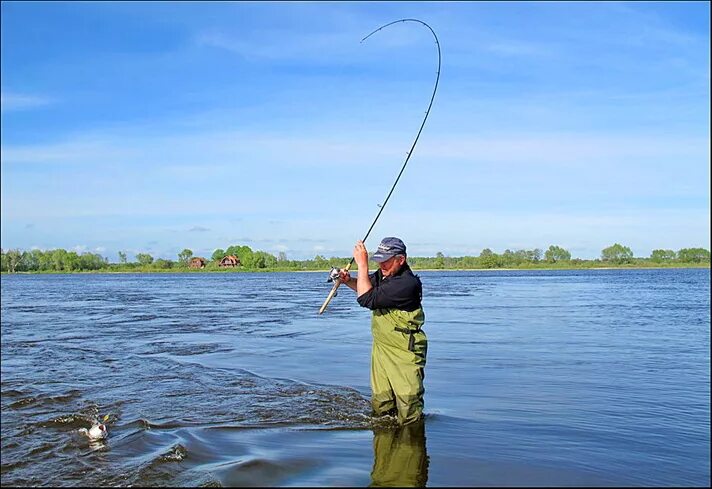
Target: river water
x,y
537,378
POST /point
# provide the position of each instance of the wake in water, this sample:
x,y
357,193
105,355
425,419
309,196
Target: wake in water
x,y
183,396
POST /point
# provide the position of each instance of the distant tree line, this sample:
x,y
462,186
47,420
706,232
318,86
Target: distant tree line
x,y
556,256
52,260
59,260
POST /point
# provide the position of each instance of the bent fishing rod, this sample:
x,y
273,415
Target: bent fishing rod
x,y
334,274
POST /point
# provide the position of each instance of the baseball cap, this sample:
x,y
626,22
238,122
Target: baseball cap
x,y
388,248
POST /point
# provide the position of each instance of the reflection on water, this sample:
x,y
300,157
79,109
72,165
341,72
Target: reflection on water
x,y
400,457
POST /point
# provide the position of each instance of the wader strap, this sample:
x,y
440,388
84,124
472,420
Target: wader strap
x,y
411,339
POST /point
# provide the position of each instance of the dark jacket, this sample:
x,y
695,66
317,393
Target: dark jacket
x,y
400,291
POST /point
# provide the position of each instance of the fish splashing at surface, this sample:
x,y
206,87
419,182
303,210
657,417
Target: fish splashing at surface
x,y
97,431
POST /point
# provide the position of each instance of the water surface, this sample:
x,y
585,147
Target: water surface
x,y
595,377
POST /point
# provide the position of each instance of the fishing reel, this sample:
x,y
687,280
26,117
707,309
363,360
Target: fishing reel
x,y
333,274
333,277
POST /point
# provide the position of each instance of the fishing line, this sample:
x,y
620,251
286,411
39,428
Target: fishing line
x,y
334,275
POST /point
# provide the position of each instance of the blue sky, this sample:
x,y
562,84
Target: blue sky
x,y
153,127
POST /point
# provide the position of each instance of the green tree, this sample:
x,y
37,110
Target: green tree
x,y
28,261
122,257
489,259
468,262
42,259
163,264
244,253
262,259
87,261
59,259
659,256
556,253
536,254
321,262
13,258
439,262
71,262
508,258
144,258
693,255
218,254
282,256
617,254
523,256
185,256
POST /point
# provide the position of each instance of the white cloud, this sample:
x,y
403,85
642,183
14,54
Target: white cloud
x,y
211,153
571,149
275,45
189,155
72,151
10,101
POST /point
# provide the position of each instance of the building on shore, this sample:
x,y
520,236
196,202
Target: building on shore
x,y
230,261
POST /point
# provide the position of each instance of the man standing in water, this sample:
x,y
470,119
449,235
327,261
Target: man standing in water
x,y
394,295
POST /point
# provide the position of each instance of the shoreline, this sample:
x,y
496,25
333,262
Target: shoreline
x,y
88,272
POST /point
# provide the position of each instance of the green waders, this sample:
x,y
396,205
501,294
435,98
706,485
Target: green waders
x,y
397,363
